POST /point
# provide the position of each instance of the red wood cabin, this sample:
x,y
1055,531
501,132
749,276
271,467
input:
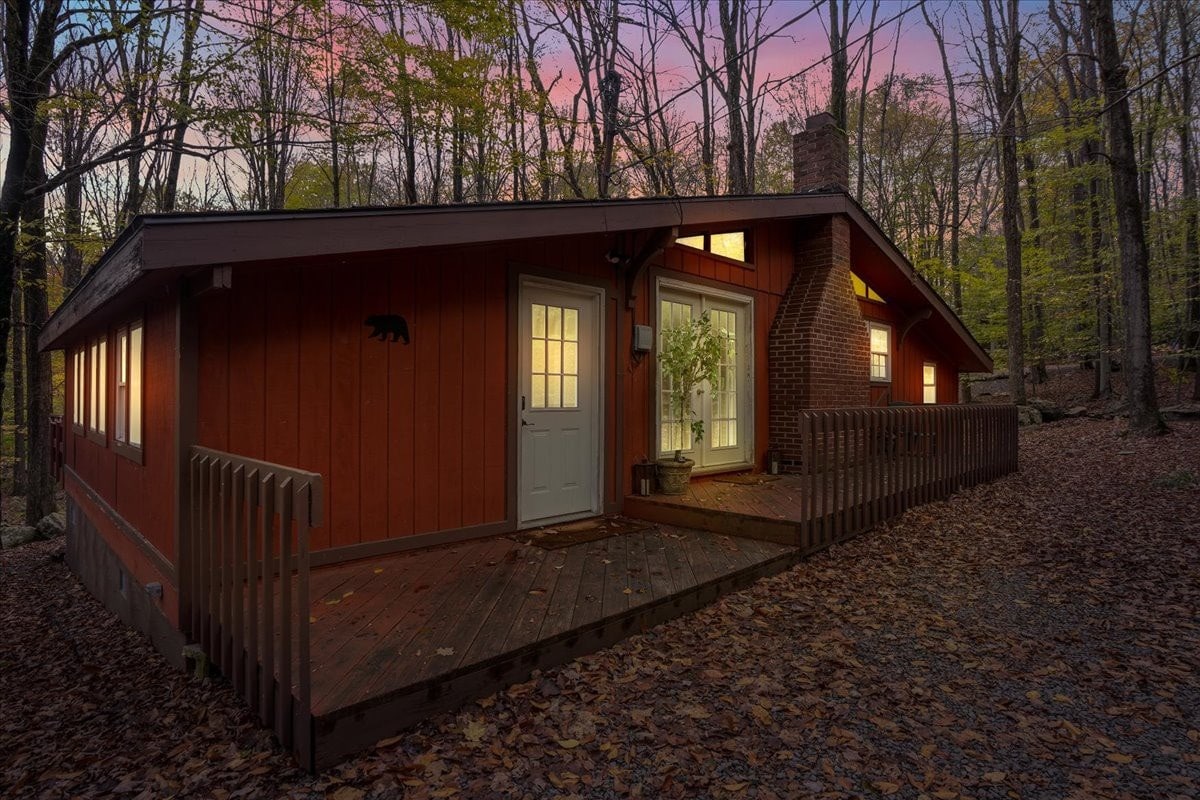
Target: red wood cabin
x,y
509,385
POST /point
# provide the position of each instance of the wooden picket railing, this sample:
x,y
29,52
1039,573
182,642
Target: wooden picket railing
x,y
57,448
860,467
244,583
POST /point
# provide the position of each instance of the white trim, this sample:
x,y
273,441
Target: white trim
x,y
871,325
597,294
746,402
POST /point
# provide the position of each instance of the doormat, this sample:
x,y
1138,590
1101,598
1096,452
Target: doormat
x,y
555,537
747,478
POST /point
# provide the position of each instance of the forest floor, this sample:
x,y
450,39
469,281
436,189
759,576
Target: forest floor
x,y
1035,637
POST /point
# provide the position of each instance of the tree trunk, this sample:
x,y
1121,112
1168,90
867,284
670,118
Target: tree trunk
x,y
20,481
1191,245
732,13
1144,418
1004,79
39,495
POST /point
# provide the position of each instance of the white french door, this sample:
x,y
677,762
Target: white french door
x,y
560,402
725,407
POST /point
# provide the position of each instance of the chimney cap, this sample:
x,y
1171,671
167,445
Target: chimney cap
x,y
822,119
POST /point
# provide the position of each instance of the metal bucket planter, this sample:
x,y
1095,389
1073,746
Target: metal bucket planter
x,y
673,476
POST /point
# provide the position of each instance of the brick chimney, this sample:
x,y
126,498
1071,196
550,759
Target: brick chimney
x,y
818,351
820,156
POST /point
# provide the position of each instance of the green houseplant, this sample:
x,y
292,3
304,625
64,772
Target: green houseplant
x,y
690,354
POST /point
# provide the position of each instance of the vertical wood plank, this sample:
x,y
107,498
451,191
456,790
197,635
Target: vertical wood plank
x,y
266,492
255,549
283,706
238,674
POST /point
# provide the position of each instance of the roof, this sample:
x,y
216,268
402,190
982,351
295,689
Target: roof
x,y
158,246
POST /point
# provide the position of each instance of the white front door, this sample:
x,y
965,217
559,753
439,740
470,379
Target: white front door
x,y
559,402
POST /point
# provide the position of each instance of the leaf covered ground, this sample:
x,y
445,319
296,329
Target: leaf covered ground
x,y
1034,637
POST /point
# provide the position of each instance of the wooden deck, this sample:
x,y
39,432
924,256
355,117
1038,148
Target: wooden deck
x,y
772,511
396,639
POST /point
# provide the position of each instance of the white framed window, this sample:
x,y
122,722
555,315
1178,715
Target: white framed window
x,y
554,344
129,389
726,408
929,383
881,351
97,388
79,388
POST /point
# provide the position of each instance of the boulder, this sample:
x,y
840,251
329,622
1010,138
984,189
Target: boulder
x,y
1028,415
51,525
17,535
1049,411
1181,412
1076,411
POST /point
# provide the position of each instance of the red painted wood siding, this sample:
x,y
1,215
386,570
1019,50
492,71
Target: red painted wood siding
x,y
413,439
142,494
908,361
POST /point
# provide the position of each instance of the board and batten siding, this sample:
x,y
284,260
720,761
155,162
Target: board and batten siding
x,y
413,439
143,495
908,361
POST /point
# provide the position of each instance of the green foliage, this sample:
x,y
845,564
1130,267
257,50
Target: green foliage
x,y
690,355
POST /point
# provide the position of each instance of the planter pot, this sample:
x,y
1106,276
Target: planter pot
x,y
673,476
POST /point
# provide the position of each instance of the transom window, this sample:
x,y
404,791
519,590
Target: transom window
x,y
554,340
862,290
929,382
881,352
730,244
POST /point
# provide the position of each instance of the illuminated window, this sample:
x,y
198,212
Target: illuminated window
x,y
98,369
881,353
673,435
730,244
128,428
554,365
862,290
79,385
929,382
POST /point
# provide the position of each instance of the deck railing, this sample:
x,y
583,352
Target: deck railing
x,y
57,448
863,466
249,525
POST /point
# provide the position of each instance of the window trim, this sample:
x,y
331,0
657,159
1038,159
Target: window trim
x,y
925,385
748,233
133,452
79,384
98,396
871,325
747,408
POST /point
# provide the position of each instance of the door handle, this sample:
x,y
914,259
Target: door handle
x,y
524,422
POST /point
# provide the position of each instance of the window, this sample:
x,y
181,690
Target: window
x,y
79,386
881,353
862,290
730,244
929,383
98,369
555,359
128,411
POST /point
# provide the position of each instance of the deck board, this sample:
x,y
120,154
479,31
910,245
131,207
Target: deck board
x,y
425,630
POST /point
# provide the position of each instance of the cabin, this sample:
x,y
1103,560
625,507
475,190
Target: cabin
x,y
370,463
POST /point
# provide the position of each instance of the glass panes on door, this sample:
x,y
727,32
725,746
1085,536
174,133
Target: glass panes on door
x,y
723,427
554,362
674,435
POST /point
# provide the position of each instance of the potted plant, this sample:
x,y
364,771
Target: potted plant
x,y
690,355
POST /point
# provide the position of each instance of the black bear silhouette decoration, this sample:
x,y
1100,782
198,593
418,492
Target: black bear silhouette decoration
x,y
388,324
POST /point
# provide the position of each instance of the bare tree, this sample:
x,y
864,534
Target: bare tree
x,y
1144,418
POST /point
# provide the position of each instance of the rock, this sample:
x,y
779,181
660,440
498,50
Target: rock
x,y
51,525
1028,415
1183,411
1075,411
1049,411
17,535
